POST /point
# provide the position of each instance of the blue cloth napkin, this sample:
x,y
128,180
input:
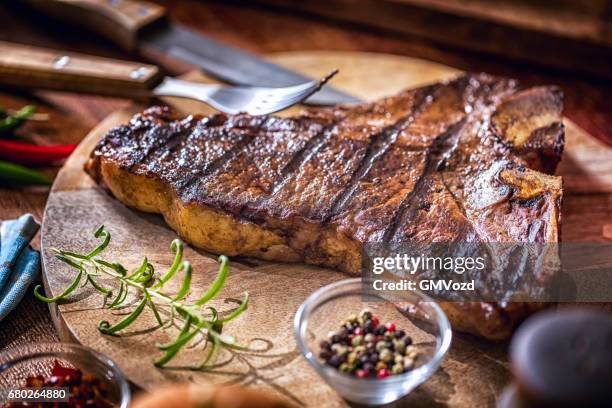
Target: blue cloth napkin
x,y
19,264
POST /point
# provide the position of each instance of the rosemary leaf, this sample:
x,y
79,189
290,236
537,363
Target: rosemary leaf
x,y
117,267
218,283
243,306
62,295
120,296
177,247
100,232
141,269
196,317
98,287
171,352
211,354
186,266
155,311
105,327
178,339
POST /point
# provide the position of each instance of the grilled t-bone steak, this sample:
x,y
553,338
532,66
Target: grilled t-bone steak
x,y
466,160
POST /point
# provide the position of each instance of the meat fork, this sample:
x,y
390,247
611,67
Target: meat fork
x,y
39,68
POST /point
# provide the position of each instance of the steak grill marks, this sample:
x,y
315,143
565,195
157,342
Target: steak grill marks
x,y
379,145
453,162
434,155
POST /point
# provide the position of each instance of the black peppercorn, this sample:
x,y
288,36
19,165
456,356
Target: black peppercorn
x,y
334,361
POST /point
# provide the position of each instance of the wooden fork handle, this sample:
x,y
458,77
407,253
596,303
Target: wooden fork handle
x,y
119,20
39,68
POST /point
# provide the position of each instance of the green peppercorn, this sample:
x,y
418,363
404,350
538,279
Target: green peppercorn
x,y
369,338
352,358
357,341
397,368
381,345
386,355
345,368
380,366
400,347
411,352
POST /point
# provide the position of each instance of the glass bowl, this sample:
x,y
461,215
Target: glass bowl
x,y
17,364
328,307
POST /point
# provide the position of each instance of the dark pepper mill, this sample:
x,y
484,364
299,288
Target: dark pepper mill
x,y
561,359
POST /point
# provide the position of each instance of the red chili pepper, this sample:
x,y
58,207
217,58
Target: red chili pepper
x,y
26,153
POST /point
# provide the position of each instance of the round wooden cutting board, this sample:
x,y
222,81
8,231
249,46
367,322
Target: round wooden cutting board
x,y
473,373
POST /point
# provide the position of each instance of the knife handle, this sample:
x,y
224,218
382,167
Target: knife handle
x,y
38,68
118,20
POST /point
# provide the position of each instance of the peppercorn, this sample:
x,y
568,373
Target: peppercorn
x,y
386,355
374,358
382,373
363,373
334,361
390,327
362,347
380,366
397,368
399,346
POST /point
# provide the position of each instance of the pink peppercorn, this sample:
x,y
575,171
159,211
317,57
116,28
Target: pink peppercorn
x,y
362,374
383,373
358,331
390,326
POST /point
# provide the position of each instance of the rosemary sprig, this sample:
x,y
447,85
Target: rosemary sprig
x,y
197,318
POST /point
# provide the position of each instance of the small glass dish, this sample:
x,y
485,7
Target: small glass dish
x,y
328,307
17,364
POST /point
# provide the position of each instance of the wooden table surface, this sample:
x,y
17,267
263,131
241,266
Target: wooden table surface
x,y
256,29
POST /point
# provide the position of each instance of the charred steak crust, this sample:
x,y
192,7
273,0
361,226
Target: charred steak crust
x,y
465,160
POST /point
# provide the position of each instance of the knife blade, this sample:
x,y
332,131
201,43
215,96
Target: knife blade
x,y
141,25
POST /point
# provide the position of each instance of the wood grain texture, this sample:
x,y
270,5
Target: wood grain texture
x,y
40,68
263,30
527,31
120,21
472,375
